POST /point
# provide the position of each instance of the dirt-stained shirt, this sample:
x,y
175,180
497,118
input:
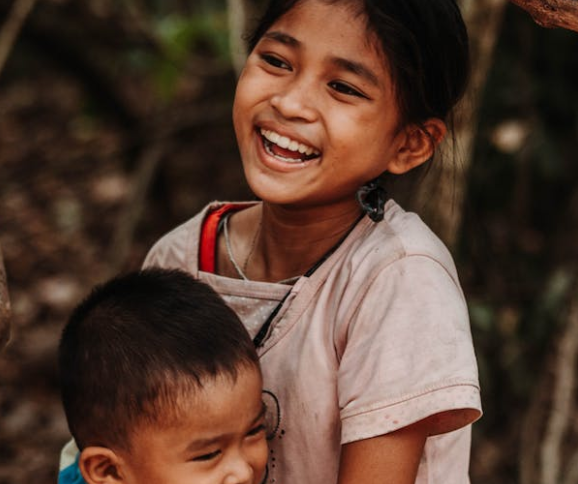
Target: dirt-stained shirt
x,y
377,338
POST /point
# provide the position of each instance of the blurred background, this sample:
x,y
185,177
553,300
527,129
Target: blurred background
x,y
115,126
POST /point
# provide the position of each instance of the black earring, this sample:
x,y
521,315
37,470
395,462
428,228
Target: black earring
x,y
372,197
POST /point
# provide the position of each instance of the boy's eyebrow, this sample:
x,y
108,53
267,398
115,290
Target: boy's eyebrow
x,y
356,68
200,443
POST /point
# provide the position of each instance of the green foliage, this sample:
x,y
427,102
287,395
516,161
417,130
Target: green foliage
x,y
200,37
182,35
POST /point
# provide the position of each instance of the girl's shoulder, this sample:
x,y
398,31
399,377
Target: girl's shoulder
x,y
401,235
179,248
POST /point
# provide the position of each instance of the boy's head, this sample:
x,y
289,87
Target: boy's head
x,y
161,383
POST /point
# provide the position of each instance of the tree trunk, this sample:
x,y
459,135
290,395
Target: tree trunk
x,y
12,27
238,12
552,13
5,313
443,193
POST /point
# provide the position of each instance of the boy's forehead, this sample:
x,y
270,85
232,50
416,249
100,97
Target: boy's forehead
x,y
218,404
183,394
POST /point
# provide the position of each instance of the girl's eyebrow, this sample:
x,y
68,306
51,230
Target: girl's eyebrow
x,y
283,38
356,68
349,65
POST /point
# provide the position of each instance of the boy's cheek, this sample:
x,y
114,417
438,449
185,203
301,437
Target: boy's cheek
x,y
263,455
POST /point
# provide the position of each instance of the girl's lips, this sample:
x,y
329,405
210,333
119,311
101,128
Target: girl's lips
x,y
287,147
281,153
281,159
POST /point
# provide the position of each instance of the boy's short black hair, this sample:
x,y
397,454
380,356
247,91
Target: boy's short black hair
x,y
138,344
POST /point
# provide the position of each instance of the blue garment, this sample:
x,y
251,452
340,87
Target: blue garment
x,y
71,474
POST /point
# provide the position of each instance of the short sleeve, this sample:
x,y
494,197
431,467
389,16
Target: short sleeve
x,y
176,249
409,354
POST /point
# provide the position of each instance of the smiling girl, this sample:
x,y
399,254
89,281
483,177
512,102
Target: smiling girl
x,y
354,304
355,308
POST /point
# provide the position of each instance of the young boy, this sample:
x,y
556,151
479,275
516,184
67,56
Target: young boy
x,y
161,384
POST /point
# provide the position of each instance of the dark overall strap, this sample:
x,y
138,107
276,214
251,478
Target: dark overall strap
x,y
262,334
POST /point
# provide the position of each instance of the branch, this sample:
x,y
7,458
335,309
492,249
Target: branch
x,y
530,433
562,396
444,212
552,13
20,11
572,469
238,13
130,217
5,312
166,126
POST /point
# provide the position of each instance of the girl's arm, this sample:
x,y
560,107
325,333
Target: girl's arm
x,y
387,459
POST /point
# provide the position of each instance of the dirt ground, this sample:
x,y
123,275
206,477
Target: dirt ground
x,y
65,186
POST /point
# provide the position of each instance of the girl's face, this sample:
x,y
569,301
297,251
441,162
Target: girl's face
x,y
315,112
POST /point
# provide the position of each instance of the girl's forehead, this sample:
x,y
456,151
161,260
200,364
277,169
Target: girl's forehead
x,y
333,8
310,13
334,24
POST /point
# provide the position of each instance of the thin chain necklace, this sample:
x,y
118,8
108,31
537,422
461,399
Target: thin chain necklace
x,y
259,338
240,272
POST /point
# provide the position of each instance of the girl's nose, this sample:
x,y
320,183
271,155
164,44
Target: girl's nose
x,y
295,101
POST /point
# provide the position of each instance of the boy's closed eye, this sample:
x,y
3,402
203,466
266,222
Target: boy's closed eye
x,y
207,457
256,430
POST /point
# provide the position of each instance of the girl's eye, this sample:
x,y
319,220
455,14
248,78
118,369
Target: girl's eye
x,y
275,61
206,457
343,88
256,430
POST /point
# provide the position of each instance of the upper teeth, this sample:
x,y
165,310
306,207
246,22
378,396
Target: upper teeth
x,y
288,143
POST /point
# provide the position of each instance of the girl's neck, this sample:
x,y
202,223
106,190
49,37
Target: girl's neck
x,y
281,243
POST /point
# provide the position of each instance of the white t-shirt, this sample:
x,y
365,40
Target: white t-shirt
x,y
377,338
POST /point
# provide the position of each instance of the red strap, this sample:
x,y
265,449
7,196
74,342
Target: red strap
x,y
209,234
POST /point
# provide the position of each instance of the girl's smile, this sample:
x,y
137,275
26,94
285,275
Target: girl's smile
x,y
315,111
279,150
287,149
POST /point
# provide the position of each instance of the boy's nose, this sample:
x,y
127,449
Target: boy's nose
x,y
295,101
240,472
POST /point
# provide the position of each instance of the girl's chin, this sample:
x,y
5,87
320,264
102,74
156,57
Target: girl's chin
x,y
276,194
297,197
275,198
275,186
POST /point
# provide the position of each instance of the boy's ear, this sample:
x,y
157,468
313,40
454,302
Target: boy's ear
x,y
417,145
100,465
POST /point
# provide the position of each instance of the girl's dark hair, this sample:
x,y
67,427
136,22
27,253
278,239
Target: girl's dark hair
x,y
427,49
137,346
426,45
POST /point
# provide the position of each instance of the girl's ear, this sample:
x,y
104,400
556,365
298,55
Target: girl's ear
x,y
100,465
417,145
